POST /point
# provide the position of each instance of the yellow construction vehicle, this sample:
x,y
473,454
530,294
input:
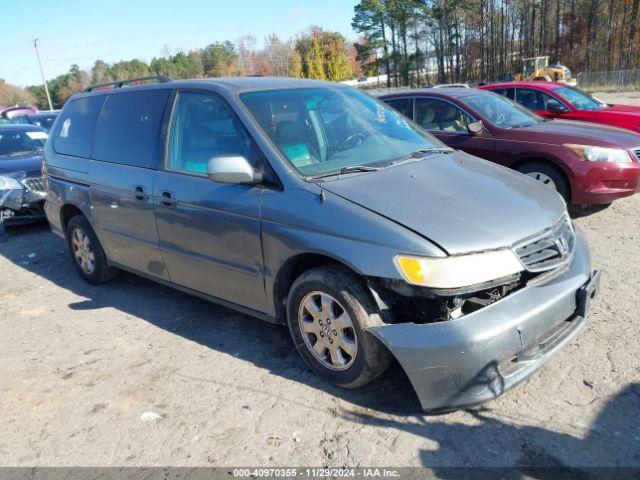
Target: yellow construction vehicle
x,y
538,68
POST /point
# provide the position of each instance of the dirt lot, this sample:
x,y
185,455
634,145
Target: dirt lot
x,y
133,373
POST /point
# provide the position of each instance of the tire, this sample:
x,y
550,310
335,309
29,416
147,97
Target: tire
x,y
84,246
332,291
547,174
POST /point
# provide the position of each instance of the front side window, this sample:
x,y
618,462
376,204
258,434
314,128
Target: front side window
x,y
15,142
129,127
536,99
501,111
438,115
203,127
579,99
323,130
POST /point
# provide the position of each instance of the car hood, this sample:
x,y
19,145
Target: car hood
x,y
29,163
570,131
459,202
629,109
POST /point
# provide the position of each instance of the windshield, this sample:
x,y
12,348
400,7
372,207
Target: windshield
x,y
501,111
579,99
323,130
13,142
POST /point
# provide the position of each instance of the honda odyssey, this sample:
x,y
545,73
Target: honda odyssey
x,y
312,204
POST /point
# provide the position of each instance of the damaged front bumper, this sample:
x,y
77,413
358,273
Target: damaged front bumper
x,y
21,199
481,355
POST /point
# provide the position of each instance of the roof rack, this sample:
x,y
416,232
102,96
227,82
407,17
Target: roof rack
x,y
120,83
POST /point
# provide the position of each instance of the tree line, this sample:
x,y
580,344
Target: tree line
x,y
439,41
417,42
315,53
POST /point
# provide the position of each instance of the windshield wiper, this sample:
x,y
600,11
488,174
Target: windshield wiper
x,y
348,169
421,153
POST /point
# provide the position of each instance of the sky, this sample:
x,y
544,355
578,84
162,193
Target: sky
x,y
81,31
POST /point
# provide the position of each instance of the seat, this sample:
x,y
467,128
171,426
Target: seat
x,y
426,117
200,145
291,139
451,119
528,99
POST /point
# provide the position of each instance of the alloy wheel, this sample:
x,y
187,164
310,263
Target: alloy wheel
x,y
541,177
83,251
327,330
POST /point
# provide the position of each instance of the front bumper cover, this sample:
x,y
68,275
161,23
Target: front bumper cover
x,y
22,201
478,357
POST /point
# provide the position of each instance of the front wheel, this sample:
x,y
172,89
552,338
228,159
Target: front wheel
x,y
548,175
328,310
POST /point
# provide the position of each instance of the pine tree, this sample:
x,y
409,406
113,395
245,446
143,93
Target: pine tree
x,y
315,60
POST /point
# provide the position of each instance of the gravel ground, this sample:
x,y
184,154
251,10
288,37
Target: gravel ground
x,y
134,373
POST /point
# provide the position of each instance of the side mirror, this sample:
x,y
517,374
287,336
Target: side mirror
x,y
557,109
232,169
475,128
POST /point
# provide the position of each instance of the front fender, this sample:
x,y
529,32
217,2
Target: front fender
x,y
300,222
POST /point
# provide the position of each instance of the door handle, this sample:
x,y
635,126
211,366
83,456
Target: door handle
x,y
167,199
139,193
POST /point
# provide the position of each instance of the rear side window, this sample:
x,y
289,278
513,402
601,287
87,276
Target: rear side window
x,y
129,126
505,92
403,105
74,131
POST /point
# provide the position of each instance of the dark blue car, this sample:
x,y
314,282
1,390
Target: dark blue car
x,y
21,187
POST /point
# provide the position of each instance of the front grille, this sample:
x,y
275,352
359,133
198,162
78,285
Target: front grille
x,y
550,249
636,152
34,184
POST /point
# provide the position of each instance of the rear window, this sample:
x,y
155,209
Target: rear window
x,y
74,131
129,126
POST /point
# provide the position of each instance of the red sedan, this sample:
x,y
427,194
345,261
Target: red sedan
x,y
557,100
585,163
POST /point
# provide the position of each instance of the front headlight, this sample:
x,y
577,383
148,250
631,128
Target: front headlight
x,y
459,270
9,183
600,154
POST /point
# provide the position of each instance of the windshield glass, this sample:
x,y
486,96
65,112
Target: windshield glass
x,y
501,111
13,142
322,130
579,99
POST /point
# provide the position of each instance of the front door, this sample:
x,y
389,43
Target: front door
x,y
449,124
209,232
540,102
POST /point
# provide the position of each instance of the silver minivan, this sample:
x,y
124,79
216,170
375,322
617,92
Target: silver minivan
x,y
312,204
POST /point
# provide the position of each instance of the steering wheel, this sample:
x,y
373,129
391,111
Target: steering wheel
x,y
352,141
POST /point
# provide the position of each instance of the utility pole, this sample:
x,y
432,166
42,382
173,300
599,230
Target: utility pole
x,y
44,81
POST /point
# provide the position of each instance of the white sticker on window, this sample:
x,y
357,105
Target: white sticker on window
x,y
64,133
37,135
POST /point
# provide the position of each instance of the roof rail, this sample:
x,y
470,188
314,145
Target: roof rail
x,y
120,83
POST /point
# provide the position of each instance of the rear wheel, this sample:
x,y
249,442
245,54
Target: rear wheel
x,y
548,175
328,310
87,253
